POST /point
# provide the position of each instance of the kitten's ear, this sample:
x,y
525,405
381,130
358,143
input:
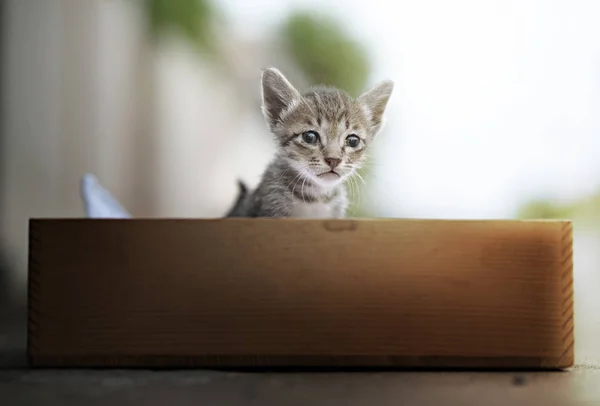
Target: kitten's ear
x,y
278,96
375,101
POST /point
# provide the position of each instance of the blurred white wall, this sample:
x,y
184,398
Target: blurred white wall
x,y
495,101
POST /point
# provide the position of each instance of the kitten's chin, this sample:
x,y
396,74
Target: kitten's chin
x,y
329,179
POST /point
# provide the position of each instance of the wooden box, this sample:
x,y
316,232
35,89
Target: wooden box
x,y
300,293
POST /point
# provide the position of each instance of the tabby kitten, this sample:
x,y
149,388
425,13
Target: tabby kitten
x,y
322,136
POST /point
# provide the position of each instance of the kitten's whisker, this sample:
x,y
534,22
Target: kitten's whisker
x,y
283,175
360,177
350,186
302,190
299,177
353,192
290,184
361,190
296,184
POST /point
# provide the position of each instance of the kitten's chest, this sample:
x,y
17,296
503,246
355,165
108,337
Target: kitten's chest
x,y
313,210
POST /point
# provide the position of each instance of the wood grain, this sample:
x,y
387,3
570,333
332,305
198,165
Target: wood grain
x,y
284,292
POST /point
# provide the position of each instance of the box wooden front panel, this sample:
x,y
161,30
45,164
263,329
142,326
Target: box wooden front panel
x,y
247,292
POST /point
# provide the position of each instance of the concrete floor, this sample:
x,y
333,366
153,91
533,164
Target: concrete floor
x,y
581,385
22,386
205,388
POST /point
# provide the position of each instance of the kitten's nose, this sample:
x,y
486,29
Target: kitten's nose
x,y
333,162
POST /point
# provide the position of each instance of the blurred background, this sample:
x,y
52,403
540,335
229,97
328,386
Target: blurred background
x,y
495,113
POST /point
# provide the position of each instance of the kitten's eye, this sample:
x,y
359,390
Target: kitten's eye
x,y
352,141
310,137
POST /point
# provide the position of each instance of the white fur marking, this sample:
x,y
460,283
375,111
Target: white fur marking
x,y
368,113
312,210
295,103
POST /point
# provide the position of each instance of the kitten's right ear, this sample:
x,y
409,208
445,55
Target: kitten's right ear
x,y
375,102
278,96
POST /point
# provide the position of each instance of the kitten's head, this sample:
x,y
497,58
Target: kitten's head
x,y
324,132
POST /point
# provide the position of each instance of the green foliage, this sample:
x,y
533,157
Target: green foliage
x,y
545,209
325,52
584,211
192,19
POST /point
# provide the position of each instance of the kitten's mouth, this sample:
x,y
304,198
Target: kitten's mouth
x,y
329,175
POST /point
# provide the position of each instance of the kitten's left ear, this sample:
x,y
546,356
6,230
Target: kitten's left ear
x,y
278,96
375,101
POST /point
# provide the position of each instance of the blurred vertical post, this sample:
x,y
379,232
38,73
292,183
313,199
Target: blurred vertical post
x,y
67,86
4,276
